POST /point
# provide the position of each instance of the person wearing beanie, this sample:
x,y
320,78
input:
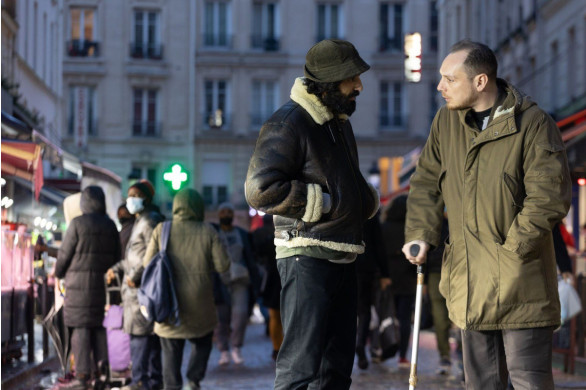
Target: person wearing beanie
x,y
304,171
145,347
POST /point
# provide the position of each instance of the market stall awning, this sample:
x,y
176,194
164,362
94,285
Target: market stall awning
x,y
23,159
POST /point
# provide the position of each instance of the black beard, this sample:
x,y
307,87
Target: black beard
x,y
339,103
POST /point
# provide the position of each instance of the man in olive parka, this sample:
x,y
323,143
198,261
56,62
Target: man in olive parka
x,y
498,164
195,252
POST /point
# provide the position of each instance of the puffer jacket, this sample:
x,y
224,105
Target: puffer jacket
x,y
504,189
134,321
302,152
195,251
91,245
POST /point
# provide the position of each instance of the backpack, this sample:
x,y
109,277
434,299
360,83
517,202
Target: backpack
x,y
156,295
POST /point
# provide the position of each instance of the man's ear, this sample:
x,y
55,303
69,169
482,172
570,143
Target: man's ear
x,y
480,82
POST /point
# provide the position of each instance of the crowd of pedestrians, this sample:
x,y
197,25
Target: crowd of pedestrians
x,y
326,251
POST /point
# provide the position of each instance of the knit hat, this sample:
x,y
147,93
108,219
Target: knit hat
x,y
333,60
145,187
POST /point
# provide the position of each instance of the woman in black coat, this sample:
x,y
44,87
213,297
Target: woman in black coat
x,y
91,246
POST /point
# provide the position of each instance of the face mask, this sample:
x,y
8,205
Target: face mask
x,y
226,221
134,205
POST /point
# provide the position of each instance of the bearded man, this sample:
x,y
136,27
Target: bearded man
x,y
304,172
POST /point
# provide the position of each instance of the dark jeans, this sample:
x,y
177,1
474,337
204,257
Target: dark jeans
x,y
366,284
89,346
404,305
526,353
201,348
146,359
318,311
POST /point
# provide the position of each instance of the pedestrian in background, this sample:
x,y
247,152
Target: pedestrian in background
x,y
498,163
263,239
240,291
372,272
145,347
91,245
126,223
305,172
403,275
195,252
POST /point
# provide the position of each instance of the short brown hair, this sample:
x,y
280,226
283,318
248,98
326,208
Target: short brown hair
x,y
480,59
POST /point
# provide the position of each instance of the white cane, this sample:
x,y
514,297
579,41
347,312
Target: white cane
x,y
414,250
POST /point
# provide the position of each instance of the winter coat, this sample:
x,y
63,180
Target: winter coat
x,y
195,252
264,248
504,189
134,321
91,245
302,152
403,274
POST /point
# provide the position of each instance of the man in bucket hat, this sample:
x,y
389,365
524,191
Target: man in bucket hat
x,y
304,172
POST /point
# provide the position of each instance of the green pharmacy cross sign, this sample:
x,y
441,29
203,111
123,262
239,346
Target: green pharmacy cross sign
x,y
176,177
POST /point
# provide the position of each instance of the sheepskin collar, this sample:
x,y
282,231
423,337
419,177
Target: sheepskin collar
x,y
310,103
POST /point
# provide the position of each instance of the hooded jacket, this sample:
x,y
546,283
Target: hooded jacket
x,y
195,252
302,152
91,245
504,189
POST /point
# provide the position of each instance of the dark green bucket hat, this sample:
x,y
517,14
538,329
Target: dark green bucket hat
x,y
333,60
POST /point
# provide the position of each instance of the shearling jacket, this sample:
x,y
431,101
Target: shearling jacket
x,y
302,152
91,245
504,189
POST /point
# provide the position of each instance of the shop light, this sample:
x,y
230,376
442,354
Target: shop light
x,y
49,225
37,221
43,223
7,202
54,227
2,181
582,181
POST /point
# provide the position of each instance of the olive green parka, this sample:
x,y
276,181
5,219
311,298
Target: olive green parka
x,y
504,188
195,251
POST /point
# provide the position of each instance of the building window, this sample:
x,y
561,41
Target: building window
x,y
264,101
82,36
216,24
139,172
145,115
216,104
264,26
391,27
82,114
391,105
147,41
329,21
215,179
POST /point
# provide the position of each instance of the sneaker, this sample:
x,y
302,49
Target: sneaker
x,y
236,356
135,386
224,358
404,363
376,355
362,360
445,366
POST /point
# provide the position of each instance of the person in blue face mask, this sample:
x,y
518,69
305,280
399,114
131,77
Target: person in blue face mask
x,y
145,347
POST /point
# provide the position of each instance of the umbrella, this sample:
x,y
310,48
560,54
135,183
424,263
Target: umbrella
x,y
55,325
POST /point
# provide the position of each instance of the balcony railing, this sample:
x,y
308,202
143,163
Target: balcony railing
x,y
146,128
388,121
83,48
217,40
151,51
387,44
265,43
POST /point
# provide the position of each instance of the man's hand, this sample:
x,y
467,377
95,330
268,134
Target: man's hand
x,y
110,276
421,256
385,282
130,283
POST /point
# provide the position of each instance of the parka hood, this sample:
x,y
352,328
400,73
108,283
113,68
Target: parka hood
x,y
188,204
93,200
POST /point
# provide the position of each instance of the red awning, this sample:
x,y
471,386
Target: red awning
x,y
23,159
